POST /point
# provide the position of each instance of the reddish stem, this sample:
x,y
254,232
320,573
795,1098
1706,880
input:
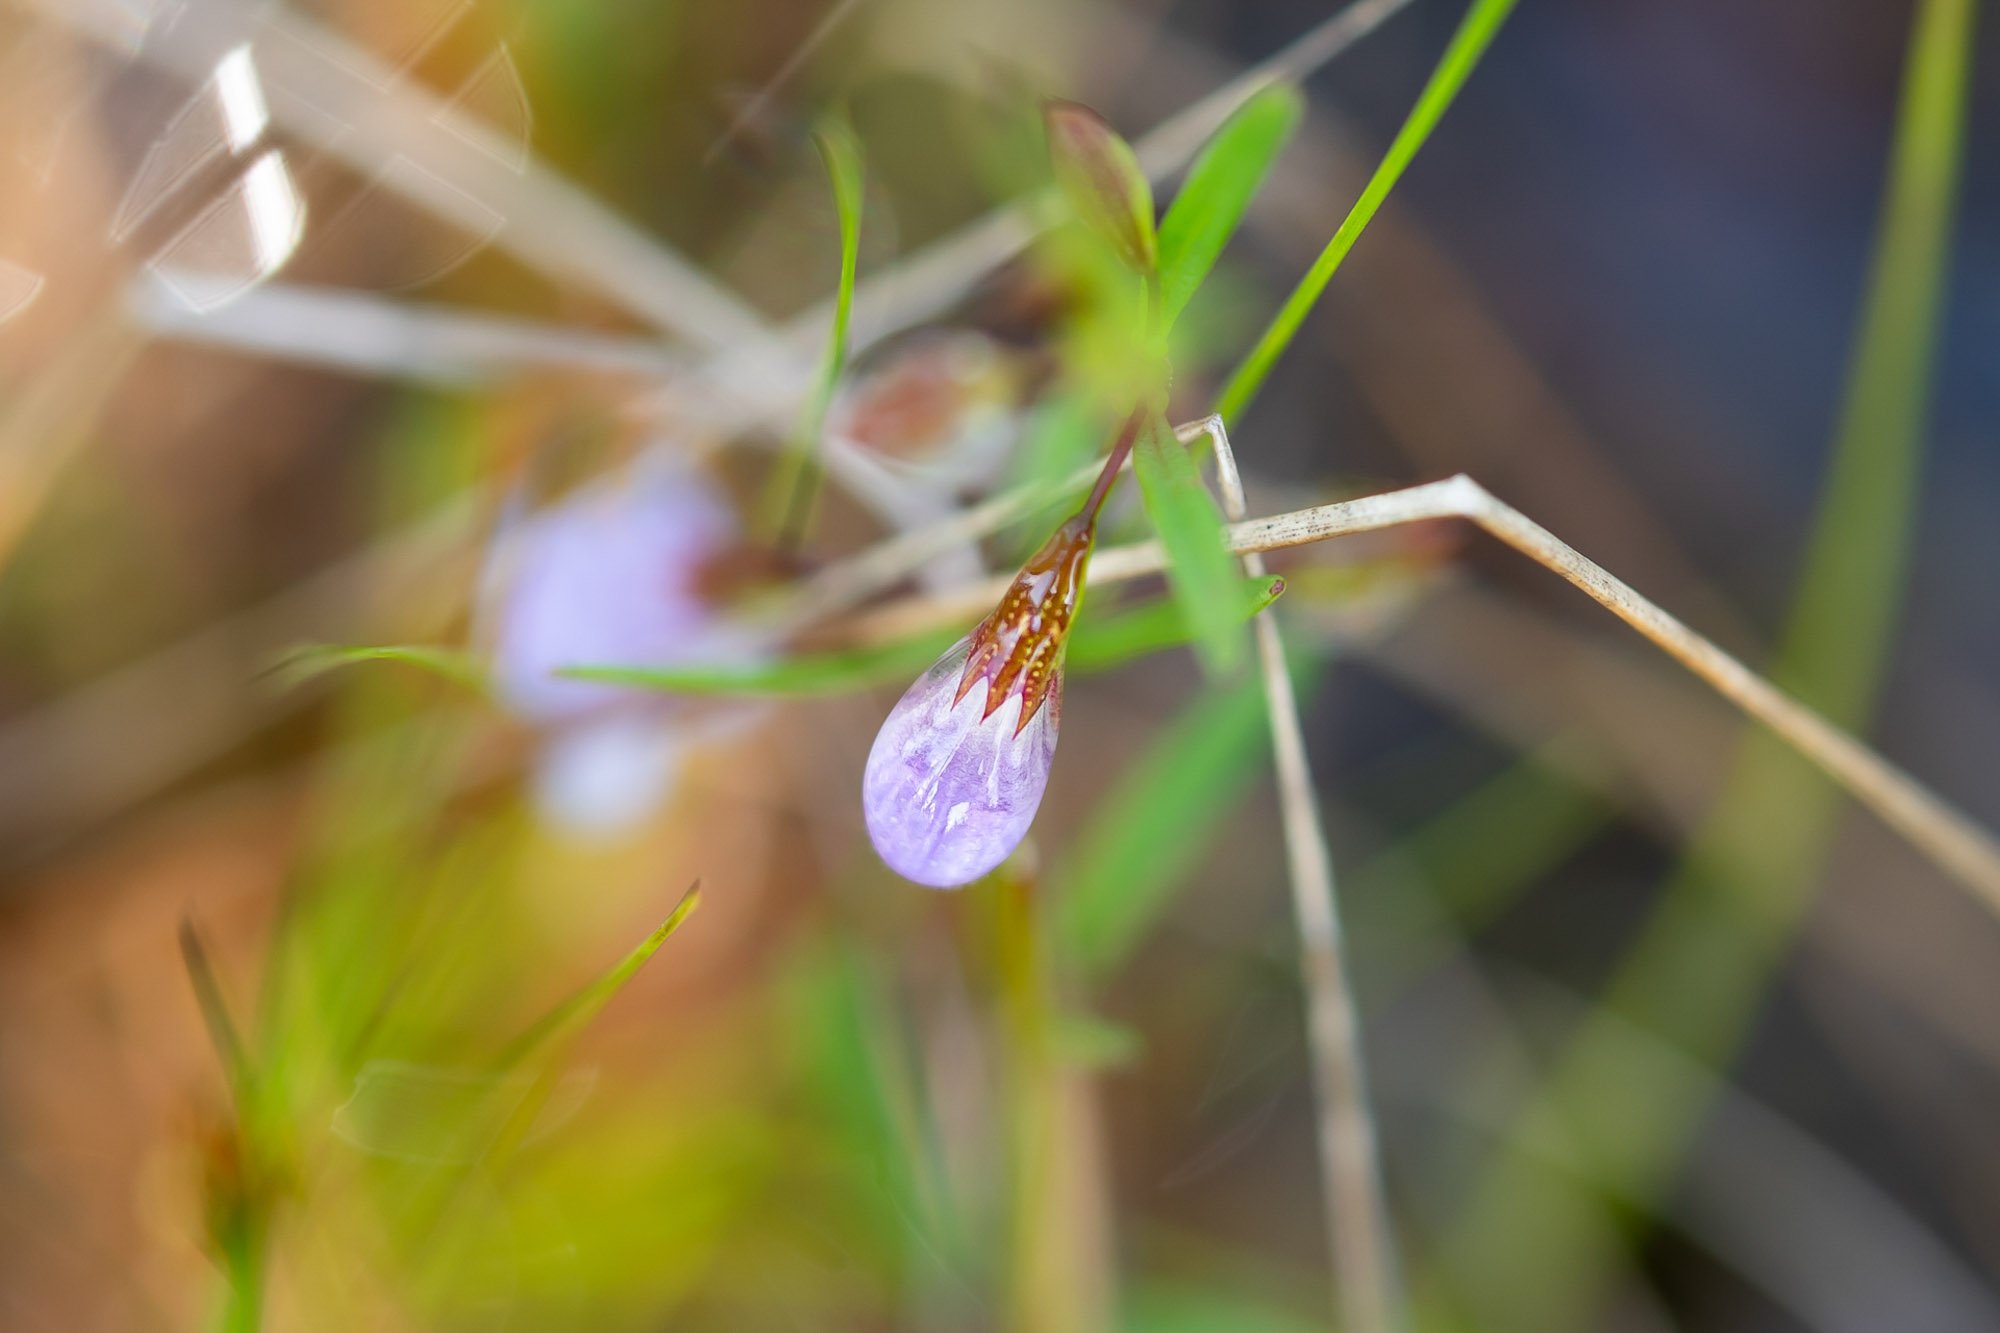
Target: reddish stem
x,y
1120,448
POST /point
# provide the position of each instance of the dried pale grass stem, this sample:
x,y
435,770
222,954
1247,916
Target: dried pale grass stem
x,y
1364,1266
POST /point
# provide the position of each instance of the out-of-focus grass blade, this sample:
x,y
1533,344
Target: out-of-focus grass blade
x,y
222,1031
1218,189
310,661
852,1045
1102,642
426,1113
1089,1042
1154,825
1200,570
1180,1309
1475,32
799,478
806,674
580,1008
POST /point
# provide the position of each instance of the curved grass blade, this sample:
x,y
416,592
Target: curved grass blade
x,y
1218,188
1475,32
569,1016
798,479
310,661
434,1114
1202,574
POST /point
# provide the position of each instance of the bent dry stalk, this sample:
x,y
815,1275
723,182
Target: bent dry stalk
x,y
957,772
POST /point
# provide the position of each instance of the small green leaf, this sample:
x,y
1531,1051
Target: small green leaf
x,y
1101,642
1101,177
1200,570
309,661
1151,830
1218,188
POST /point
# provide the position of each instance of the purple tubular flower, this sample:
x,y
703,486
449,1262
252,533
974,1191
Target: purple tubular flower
x,y
950,789
957,772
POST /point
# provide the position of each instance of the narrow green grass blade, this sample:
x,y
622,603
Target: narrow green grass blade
x,y
222,1030
1218,188
804,675
1475,32
310,661
798,479
1200,570
571,1015
1100,643
1185,1308
1152,827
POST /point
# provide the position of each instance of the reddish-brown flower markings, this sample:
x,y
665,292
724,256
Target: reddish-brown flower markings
x,y
1022,641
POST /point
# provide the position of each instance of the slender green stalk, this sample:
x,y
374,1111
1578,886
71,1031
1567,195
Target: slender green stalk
x,y
1475,33
841,152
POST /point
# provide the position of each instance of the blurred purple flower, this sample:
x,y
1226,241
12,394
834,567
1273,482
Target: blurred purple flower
x,y
609,576
957,771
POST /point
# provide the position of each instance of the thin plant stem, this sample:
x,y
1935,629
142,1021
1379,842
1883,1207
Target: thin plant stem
x,y
1946,837
367,333
1366,1289
754,108
1114,462
803,462
1475,33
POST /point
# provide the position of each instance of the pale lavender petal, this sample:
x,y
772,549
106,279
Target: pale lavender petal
x,y
947,795
607,578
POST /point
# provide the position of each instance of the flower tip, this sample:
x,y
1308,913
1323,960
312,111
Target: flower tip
x,y
1102,177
